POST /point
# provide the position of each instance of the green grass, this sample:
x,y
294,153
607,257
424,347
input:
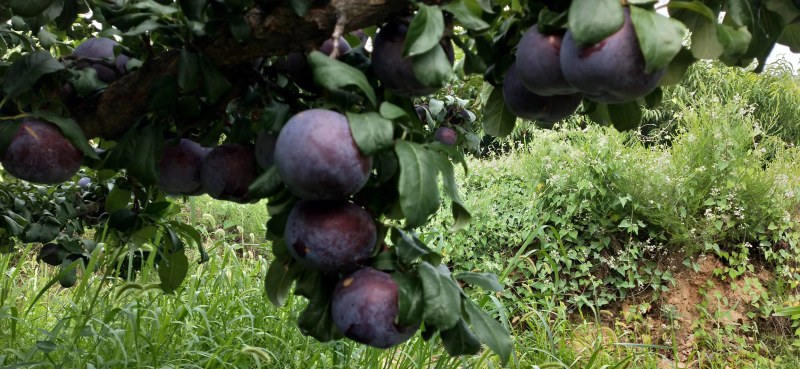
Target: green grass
x,y
220,318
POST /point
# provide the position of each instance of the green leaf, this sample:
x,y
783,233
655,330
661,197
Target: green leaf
x,y
432,68
266,185
694,6
193,9
590,21
316,320
442,297
461,215
172,269
705,43
791,37
425,30
625,116
677,68
332,75
469,19
409,247
301,7
85,81
215,84
498,120
409,299
460,340
13,227
391,111
279,280
8,130
188,71
659,37
240,29
27,70
147,151
70,129
419,192
29,8
765,34
489,331
190,233
486,281
735,40
68,15
786,8
117,199
741,12
371,131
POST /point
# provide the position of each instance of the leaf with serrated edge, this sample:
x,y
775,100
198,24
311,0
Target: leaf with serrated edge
x,y
410,303
590,21
498,120
489,331
486,281
465,16
70,129
333,74
280,277
442,297
461,215
659,37
460,340
267,184
172,269
424,31
27,70
371,131
391,111
432,68
625,116
419,191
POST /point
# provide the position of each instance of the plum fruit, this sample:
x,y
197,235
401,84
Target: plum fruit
x,y
332,236
528,105
395,72
446,136
227,172
180,167
611,71
317,157
265,149
84,183
539,64
299,71
98,53
364,308
39,153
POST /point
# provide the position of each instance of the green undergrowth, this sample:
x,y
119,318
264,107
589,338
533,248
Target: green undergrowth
x,y
220,318
596,216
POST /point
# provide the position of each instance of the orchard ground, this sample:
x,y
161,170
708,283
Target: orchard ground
x,y
674,249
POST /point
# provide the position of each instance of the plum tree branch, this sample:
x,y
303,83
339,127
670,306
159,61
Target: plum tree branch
x,y
277,32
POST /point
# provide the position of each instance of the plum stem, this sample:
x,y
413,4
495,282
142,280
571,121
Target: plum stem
x,y
338,31
13,117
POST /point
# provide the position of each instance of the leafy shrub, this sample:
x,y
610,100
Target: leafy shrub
x,y
610,215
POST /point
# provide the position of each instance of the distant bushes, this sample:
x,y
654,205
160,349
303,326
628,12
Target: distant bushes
x,y
607,215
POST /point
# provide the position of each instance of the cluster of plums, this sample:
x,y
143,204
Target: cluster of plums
x,y
319,162
552,73
39,152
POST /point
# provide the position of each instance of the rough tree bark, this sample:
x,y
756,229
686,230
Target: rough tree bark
x,y
278,32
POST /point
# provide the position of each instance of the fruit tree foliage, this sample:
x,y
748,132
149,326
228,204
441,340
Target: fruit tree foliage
x,y
311,105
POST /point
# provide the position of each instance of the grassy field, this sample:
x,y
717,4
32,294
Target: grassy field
x,y
673,249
